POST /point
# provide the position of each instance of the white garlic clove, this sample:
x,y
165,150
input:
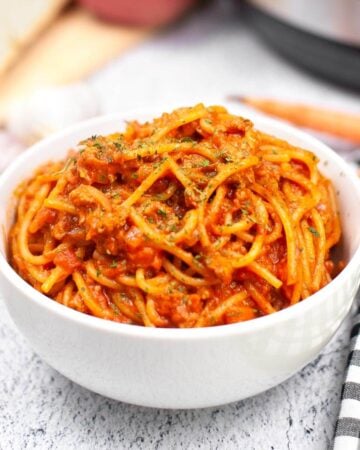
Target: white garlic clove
x,y
50,109
10,148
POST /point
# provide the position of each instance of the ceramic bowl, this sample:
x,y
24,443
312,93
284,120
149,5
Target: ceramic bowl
x,y
180,368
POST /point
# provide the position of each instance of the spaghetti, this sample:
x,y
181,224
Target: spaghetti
x,y
195,219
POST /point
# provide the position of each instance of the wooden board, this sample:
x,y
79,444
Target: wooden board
x,y
75,45
32,18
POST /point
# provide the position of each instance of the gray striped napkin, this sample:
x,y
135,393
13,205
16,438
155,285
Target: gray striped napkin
x,y
347,431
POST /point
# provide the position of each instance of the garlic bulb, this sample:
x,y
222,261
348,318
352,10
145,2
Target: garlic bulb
x,y
50,109
10,148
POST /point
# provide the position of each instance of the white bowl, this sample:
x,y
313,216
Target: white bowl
x,y
180,368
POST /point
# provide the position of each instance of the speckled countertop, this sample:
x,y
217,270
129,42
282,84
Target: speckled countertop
x,y
39,408
210,55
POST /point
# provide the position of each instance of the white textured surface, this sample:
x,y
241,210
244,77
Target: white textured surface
x,y
41,409
209,56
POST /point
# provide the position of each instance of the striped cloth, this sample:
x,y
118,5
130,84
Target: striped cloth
x,y
347,431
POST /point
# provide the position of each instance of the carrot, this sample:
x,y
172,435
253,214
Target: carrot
x,y
340,124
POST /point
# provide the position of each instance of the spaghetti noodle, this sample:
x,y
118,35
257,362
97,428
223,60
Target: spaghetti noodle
x,y
195,219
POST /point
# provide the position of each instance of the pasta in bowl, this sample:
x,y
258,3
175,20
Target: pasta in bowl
x,y
194,219
159,364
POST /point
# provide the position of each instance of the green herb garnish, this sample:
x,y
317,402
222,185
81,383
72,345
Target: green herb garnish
x,y
314,231
204,163
68,164
187,139
161,212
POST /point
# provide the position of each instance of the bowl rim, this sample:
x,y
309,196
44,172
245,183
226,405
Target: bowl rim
x,y
137,331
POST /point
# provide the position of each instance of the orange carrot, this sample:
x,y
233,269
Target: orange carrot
x,y
341,124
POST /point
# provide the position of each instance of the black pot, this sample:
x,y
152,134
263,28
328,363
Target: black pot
x,y
331,59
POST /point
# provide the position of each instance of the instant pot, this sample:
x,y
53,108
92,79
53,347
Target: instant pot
x,y
321,35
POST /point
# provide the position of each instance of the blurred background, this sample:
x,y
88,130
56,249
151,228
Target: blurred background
x,y
62,61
